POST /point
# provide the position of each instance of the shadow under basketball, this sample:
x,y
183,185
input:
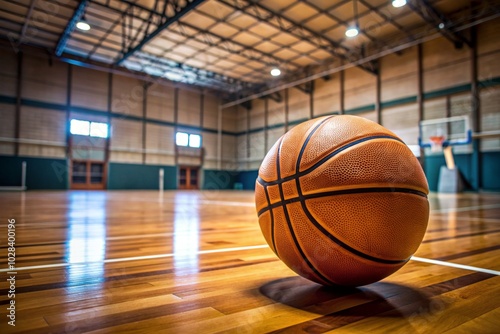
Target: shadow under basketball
x,y
381,299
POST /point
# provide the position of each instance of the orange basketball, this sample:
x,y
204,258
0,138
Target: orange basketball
x,y
342,200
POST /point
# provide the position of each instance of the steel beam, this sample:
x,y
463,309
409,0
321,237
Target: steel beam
x,y
169,21
63,39
264,14
439,21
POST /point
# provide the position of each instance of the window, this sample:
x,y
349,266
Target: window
x,y
86,128
188,139
79,127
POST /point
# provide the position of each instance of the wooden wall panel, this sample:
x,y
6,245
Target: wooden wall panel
x,y
435,108
460,104
241,148
326,96
210,111
371,115
43,81
127,96
89,88
241,119
257,114
360,96
276,111
396,66
126,142
8,73
298,105
189,108
257,149
160,103
44,125
160,144
398,74
487,37
273,136
488,67
440,51
403,121
228,152
230,119
447,75
210,150
7,127
490,117
88,117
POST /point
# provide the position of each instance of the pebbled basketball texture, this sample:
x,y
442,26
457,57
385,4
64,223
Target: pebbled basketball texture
x,y
341,200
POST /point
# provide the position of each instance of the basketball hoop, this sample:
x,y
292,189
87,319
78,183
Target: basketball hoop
x,y
436,143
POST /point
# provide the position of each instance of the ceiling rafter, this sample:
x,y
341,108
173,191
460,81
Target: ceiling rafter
x,y
63,39
226,44
439,21
264,14
179,12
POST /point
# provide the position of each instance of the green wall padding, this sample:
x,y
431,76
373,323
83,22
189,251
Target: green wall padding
x,y
490,171
134,176
218,179
41,173
247,179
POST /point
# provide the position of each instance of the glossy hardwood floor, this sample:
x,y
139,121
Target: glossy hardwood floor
x,y
196,262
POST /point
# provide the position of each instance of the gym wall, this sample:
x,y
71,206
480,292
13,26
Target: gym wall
x,y
143,119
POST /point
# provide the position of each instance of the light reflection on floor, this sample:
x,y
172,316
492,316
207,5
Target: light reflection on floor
x,y
86,236
186,233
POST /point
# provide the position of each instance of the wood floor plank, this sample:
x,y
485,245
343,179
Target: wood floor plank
x,y
184,262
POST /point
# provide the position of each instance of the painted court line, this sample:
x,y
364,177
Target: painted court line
x,y
234,249
134,258
455,265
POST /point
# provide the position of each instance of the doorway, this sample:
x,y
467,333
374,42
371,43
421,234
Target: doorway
x,y
188,177
88,174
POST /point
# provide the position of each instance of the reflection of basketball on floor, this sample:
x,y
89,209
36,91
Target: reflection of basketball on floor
x,y
335,205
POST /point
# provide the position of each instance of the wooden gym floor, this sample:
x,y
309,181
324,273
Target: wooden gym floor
x,y
196,262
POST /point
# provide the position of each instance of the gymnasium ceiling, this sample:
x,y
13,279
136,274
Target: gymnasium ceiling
x,y
230,46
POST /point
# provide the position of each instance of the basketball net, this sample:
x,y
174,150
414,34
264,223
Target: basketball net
x,y
437,146
436,143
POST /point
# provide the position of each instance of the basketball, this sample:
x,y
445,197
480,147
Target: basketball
x,y
341,200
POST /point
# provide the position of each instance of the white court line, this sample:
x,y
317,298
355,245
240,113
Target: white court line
x,y
234,249
134,258
455,265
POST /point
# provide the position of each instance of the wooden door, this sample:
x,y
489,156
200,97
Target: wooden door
x,y
88,174
188,177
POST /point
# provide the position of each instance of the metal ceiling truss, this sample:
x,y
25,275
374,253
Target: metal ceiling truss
x,y
199,76
439,21
226,44
138,13
63,40
264,14
178,8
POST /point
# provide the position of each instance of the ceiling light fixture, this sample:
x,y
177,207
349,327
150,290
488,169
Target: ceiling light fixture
x,y
398,3
275,72
82,24
353,31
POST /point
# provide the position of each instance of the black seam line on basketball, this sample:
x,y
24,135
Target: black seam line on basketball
x,y
272,219
289,223
322,161
343,244
342,192
303,148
